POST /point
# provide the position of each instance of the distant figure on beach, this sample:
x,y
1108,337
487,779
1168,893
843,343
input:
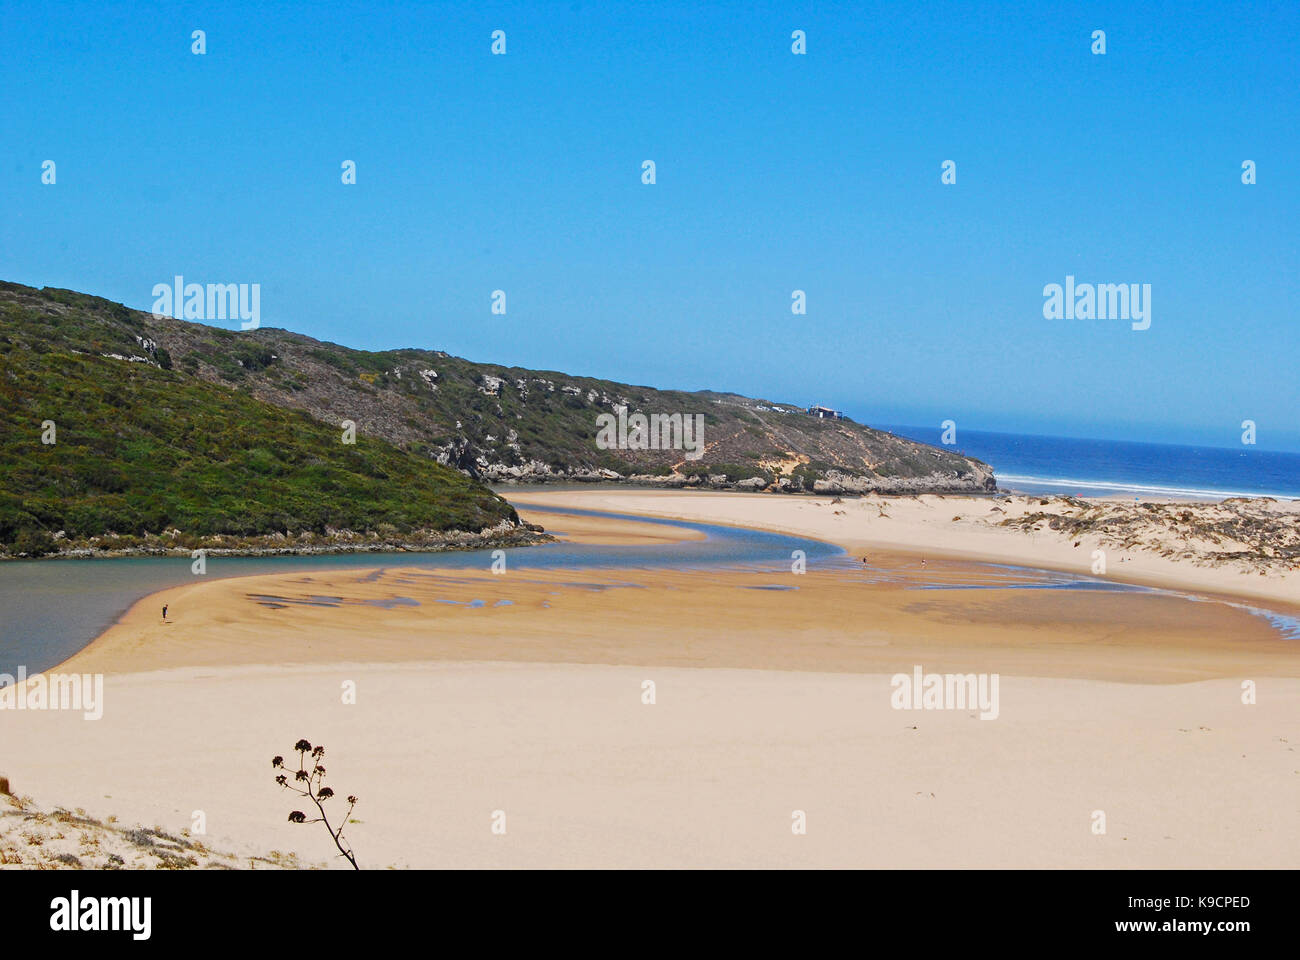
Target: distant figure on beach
x,y
164,611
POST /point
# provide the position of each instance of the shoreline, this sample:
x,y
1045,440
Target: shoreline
x,y
930,536
618,531
564,615
733,620
1125,493
770,692
273,546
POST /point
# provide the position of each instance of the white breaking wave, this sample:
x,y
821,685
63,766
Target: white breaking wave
x,y
1153,490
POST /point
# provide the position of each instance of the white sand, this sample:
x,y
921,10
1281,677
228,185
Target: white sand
x,y
926,525
1186,774
708,776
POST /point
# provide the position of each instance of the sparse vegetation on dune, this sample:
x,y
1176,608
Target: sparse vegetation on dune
x,y
35,838
1256,534
309,783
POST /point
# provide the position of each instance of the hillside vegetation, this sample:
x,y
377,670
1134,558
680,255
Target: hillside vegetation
x,y
141,450
502,423
165,424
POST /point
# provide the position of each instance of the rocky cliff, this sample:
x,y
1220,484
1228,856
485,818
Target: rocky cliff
x,y
505,424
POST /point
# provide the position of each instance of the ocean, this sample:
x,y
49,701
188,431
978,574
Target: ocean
x,y
1093,468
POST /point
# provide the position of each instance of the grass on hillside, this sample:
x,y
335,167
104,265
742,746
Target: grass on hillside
x,y
141,450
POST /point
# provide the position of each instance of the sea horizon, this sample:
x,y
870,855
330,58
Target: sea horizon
x,y
692,437
1049,464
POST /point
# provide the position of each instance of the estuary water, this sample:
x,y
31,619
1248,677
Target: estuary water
x,y
50,609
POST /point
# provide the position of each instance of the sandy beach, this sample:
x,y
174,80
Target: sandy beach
x,y
945,526
527,692
709,776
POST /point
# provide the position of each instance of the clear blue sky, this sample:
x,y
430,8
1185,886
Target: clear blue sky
x,y
775,172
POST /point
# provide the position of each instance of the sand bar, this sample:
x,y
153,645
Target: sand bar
x,y
526,693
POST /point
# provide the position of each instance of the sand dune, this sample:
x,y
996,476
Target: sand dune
x,y
766,702
708,776
956,527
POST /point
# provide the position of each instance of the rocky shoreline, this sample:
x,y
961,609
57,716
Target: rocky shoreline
x,y
174,543
835,481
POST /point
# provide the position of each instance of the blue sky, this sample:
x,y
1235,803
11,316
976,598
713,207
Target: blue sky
x,y
775,172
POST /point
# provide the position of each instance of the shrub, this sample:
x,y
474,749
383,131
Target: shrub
x,y
34,543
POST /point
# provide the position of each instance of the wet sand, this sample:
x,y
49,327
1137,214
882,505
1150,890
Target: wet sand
x,y
842,621
767,700
953,527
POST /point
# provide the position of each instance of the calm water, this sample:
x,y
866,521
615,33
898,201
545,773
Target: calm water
x,y
1060,465
53,608
50,609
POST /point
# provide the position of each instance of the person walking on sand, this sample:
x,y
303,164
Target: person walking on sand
x,y
164,611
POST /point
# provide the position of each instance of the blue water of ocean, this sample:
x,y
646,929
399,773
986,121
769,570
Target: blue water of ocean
x,y
1093,468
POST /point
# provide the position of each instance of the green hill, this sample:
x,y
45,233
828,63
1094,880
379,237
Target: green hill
x,y
167,424
140,450
501,423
